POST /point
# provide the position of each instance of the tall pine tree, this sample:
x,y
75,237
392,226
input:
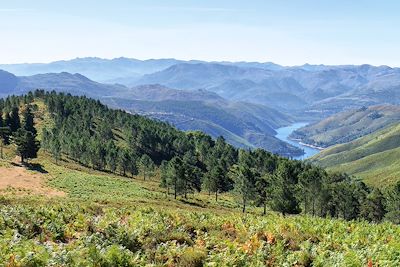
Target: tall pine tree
x,y
27,145
28,120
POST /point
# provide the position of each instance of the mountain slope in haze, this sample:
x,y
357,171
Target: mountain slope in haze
x,y
201,75
117,70
242,124
253,85
98,69
8,83
374,157
348,125
71,83
157,92
320,90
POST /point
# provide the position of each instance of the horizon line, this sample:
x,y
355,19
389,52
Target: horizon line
x,y
200,60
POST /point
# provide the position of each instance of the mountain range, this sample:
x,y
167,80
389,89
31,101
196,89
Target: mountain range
x,y
321,91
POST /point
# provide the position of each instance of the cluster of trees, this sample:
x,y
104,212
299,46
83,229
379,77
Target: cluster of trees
x,y
22,134
115,141
290,187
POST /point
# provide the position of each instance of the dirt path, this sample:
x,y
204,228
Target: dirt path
x,y
19,180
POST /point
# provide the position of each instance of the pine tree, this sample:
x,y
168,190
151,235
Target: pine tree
x,y
4,138
263,184
284,189
244,178
14,121
123,161
165,176
28,120
27,145
112,156
7,121
373,207
192,174
310,185
146,166
177,175
55,149
393,204
214,180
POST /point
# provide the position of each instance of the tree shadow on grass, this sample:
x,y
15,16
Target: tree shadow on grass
x,y
36,167
192,203
30,166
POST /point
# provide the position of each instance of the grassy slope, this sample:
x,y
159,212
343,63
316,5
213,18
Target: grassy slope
x,y
374,157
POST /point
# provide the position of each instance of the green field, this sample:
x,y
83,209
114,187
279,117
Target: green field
x,y
374,157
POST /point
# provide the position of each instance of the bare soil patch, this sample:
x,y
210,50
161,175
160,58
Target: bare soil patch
x,y
20,181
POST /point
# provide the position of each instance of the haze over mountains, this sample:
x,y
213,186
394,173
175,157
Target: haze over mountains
x,y
244,101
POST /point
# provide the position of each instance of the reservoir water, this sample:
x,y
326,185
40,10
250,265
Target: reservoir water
x,y
283,134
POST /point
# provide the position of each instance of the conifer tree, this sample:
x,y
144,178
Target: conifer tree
x,y
262,187
192,174
4,138
14,120
373,207
284,189
310,185
214,180
165,176
28,120
393,204
55,148
146,166
177,175
123,161
244,178
27,145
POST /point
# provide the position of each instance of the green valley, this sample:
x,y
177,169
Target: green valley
x,y
374,157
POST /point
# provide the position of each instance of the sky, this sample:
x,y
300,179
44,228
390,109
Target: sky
x,y
287,32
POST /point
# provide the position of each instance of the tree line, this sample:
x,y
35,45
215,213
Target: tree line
x,y
91,134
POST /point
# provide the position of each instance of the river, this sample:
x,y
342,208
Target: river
x,y
283,134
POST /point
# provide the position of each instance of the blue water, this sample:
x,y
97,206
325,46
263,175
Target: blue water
x,y
283,134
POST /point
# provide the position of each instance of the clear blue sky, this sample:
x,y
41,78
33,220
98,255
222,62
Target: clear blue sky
x,y
288,32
